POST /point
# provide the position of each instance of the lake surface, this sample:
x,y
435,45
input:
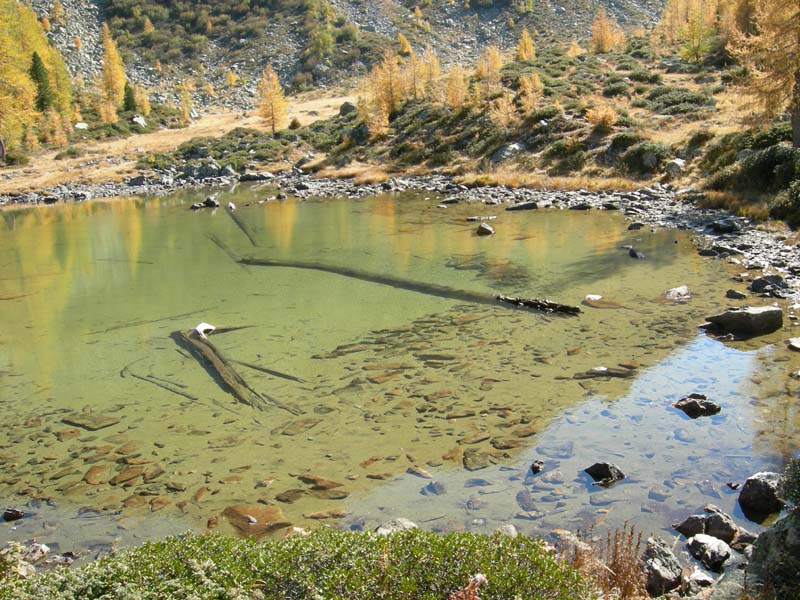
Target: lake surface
x,y
113,432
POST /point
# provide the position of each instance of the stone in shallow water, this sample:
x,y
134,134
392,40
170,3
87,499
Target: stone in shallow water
x,y
697,405
319,483
255,519
605,474
127,475
90,421
474,459
299,426
290,496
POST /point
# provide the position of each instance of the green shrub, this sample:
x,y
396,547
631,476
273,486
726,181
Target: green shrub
x,y
643,76
71,152
14,159
619,88
671,100
412,565
769,170
644,158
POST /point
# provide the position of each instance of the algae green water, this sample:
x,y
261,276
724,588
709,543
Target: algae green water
x,y
381,401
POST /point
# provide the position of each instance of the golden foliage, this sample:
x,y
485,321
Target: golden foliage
x,y
773,56
78,43
602,117
525,49
231,79
530,92
456,92
113,75
574,49
404,45
147,25
488,70
46,25
20,36
142,99
57,13
272,101
501,111
606,34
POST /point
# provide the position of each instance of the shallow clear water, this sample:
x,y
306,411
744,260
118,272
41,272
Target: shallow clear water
x,y
384,379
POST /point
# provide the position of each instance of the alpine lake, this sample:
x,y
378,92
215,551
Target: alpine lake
x,y
379,401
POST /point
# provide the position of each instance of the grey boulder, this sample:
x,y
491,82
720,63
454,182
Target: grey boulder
x,y
661,568
710,551
749,320
759,496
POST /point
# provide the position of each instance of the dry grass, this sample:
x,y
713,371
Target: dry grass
x,y
613,563
602,117
756,209
515,179
360,173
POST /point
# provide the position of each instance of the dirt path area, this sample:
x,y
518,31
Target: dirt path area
x,y
113,160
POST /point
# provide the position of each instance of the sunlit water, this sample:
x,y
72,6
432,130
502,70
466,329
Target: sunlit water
x,y
384,379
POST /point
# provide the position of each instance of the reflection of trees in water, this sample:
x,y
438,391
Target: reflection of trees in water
x,y
498,273
776,403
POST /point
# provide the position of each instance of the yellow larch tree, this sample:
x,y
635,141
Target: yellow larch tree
x,y
431,71
501,110
530,92
272,106
525,49
112,79
606,34
456,92
404,47
488,70
773,57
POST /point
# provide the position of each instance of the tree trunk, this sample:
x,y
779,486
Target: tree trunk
x,y
796,127
794,108
2,150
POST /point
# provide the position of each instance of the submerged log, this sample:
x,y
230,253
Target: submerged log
x,y
241,225
222,370
547,306
430,289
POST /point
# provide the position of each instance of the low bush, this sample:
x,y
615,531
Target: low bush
x,y
327,564
644,158
769,170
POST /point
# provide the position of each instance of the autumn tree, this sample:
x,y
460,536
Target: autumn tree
x,y
431,71
272,101
525,49
501,111
142,99
773,57
696,37
403,44
57,13
112,79
488,70
456,92
606,34
530,92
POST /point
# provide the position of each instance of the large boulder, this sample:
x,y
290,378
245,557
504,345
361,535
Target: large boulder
x,y
713,522
394,526
710,551
776,558
749,320
660,567
760,495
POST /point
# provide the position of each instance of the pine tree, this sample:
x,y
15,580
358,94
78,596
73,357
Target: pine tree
x,y
38,74
129,99
526,50
773,56
272,102
113,86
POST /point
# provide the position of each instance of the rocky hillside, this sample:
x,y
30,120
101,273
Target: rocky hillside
x,y
311,43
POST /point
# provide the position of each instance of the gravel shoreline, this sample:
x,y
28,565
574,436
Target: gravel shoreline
x,y
719,234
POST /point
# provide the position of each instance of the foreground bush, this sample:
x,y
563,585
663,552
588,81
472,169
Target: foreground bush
x,y
327,564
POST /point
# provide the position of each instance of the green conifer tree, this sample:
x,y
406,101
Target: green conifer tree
x,y
129,100
38,74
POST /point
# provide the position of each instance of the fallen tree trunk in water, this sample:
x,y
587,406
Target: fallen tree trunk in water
x,y
214,361
430,289
547,306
